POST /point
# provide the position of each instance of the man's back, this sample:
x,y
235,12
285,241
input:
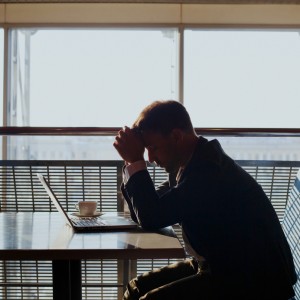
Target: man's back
x,y
234,226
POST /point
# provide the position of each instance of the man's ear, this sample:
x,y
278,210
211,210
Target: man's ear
x,y
177,135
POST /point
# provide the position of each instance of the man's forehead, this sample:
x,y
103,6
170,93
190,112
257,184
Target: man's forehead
x,y
151,138
151,134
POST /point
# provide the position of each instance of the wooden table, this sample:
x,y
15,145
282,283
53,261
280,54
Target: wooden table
x,y
45,236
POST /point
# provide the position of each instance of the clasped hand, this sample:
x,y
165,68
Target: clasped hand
x,y
129,144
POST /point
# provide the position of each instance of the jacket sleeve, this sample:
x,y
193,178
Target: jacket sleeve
x,y
153,208
163,188
166,185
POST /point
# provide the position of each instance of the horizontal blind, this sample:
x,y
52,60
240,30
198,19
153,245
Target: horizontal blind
x,y
26,280
73,180
276,178
21,190
101,279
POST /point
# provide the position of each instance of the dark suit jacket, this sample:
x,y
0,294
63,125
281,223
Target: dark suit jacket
x,y
227,218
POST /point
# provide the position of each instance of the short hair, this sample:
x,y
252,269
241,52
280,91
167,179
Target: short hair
x,y
163,116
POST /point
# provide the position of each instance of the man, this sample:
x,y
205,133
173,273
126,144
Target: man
x,y
229,225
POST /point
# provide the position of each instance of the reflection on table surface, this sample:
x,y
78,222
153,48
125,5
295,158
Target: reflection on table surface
x,y
44,235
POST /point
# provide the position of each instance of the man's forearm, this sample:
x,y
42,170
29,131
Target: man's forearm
x,y
131,169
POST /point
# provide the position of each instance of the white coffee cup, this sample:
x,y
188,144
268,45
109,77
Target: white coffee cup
x,y
86,208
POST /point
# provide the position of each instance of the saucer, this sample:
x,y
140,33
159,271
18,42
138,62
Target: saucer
x,y
96,214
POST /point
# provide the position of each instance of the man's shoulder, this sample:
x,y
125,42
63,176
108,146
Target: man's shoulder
x,y
209,150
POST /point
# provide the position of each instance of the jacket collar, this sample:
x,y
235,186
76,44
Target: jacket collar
x,y
198,149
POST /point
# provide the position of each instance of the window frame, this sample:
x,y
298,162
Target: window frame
x,y
137,15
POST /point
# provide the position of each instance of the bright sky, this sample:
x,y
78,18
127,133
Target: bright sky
x,y
246,78
1,72
243,79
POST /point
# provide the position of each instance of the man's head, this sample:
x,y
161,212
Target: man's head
x,y
168,134
162,117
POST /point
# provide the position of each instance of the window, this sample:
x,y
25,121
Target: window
x,y
242,78
245,79
1,80
85,77
103,77
1,71
89,77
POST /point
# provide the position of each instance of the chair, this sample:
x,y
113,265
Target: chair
x,y
291,227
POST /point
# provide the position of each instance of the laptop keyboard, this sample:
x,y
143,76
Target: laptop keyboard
x,y
89,222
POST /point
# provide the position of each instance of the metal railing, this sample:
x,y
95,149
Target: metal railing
x,y
86,131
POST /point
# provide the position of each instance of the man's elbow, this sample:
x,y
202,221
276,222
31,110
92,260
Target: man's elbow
x,y
148,224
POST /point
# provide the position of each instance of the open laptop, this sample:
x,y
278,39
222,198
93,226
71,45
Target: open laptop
x,y
101,223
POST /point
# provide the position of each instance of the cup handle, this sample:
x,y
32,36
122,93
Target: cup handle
x,y
76,206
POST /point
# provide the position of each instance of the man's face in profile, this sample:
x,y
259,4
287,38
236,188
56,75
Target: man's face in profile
x,y
162,150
